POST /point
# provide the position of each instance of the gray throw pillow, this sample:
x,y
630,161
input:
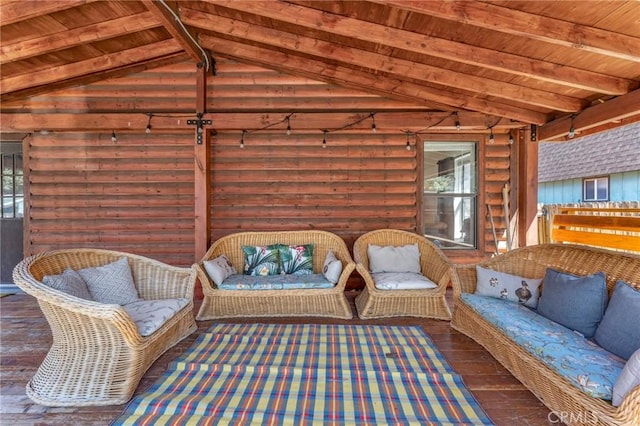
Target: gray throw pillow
x,y
70,282
507,286
619,331
111,283
628,379
576,302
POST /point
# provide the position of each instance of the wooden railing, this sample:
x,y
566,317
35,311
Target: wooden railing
x,y
612,226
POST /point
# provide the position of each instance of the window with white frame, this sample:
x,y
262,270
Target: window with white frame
x,y
595,189
450,194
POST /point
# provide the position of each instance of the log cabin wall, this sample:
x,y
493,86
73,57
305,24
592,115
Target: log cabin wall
x,y
358,183
137,194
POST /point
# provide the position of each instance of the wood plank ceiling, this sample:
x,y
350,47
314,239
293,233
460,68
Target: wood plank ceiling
x,y
515,62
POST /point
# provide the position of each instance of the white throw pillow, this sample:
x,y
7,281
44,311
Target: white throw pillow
x,y
332,267
508,287
111,283
394,259
219,269
69,282
628,379
402,281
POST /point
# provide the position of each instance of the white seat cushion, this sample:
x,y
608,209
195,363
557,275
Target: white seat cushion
x,y
402,281
150,315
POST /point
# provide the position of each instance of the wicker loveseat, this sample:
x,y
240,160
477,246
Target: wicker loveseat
x,y
377,303
567,402
98,356
319,302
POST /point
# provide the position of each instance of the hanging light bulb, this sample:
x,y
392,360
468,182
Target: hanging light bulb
x,y
288,127
572,129
511,140
114,139
457,120
492,139
324,139
373,124
408,145
148,129
242,139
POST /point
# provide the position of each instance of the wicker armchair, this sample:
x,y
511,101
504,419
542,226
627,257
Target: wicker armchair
x,y
98,356
376,303
330,302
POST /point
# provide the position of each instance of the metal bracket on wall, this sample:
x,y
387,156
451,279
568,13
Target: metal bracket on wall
x,y
199,130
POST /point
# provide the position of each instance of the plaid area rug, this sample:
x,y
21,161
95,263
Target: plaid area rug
x,y
307,374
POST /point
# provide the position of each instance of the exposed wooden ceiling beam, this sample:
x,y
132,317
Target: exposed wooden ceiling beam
x,y
27,9
76,69
399,68
177,32
393,122
121,71
77,36
614,109
432,46
370,82
515,22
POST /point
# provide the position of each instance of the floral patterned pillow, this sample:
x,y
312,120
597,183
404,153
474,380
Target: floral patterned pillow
x,y
261,260
296,259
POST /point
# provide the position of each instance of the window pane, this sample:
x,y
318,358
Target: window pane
x,y
7,207
603,185
18,164
7,164
7,185
589,190
19,207
453,224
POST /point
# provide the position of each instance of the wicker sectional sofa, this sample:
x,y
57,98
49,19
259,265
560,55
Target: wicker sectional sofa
x,y
318,302
568,403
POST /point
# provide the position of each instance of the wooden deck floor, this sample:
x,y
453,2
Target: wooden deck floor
x,y
25,339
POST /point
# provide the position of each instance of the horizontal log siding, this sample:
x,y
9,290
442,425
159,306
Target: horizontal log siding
x,y
135,195
277,182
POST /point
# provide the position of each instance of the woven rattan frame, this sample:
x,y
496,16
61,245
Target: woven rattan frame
x,y
97,356
376,303
566,401
275,303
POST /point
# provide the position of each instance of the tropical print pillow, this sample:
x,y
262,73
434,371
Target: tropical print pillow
x,y
296,259
261,260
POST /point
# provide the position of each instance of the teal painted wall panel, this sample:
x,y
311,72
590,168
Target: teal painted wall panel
x,y
622,187
628,185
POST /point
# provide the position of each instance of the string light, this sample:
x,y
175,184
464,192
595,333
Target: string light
x,y
114,139
408,146
572,129
511,140
373,124
324,138
148,129
492,139
288,124
242,139
455,113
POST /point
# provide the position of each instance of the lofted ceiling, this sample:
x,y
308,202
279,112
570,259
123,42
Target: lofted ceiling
x,y
547,63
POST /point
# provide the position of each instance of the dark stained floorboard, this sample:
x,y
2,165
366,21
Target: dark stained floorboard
x,y
25,339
